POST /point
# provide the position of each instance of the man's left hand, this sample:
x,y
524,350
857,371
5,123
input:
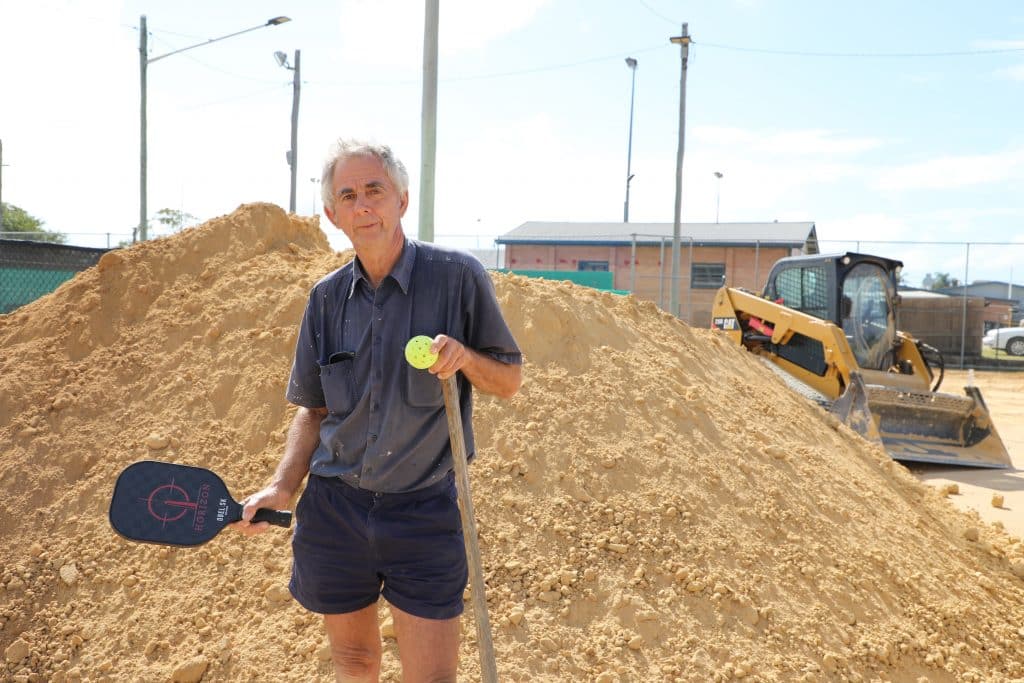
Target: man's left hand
x,y
452,356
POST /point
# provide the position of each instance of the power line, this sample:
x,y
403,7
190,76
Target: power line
x,y
502,74
555,67
181,35
872,55
217,69
657,14
255,93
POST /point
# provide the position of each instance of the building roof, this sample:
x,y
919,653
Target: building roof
x,y
993,282
790,234
980,284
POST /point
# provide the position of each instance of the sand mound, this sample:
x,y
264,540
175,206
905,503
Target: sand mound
x,y
653,505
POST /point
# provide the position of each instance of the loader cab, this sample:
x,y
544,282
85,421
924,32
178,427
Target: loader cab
x,y
855,291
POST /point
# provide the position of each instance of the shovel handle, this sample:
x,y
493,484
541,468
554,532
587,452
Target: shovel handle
x,y
488,667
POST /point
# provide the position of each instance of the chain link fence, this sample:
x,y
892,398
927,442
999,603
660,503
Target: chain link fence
x,y
29,269
980,291
952,293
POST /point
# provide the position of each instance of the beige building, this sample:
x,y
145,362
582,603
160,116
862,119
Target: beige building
x,y
639,256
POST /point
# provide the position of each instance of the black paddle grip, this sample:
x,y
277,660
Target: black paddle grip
x,y
275,517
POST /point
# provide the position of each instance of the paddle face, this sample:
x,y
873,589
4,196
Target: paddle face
x,y
170,504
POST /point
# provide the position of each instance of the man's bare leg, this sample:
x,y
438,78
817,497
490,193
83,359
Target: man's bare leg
x,y
355,645
428,648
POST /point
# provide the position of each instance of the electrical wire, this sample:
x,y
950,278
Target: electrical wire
x,y
255,93
870,55
503,74
214,68
660,16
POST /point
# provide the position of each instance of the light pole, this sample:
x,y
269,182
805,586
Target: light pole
x,y
683,41
144,62
631,63
718,192
316,194
293,153
428,124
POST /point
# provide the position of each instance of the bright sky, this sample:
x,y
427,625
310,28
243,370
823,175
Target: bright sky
x,y
876,120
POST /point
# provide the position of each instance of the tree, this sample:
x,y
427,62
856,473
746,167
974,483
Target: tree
x,y
173,219
941,281
17,219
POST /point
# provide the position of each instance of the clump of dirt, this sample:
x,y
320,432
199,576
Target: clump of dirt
x,y
653,504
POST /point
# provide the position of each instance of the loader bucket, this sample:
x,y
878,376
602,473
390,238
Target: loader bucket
x,y
852,409
936,427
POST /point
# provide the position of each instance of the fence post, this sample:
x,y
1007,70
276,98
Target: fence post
x,y
661,276
689,289
632,265
757,265
963,321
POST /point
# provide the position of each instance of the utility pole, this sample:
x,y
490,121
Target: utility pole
x,y
718,193
293,154
143,63
631,63
295,127
684,43
428,131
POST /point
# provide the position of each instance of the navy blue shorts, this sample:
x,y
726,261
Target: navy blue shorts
x,y
352,545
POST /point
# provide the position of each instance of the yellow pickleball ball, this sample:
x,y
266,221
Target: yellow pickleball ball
x,y
417,352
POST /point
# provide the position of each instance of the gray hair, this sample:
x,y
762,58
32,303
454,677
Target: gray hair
x,y
346,148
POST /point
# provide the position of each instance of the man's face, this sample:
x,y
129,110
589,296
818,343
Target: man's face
x,y
368,207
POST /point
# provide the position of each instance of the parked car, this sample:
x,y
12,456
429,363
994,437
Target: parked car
x,y
1007,339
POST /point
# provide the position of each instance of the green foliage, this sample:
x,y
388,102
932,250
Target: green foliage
x,y
942,281
17,219
173,219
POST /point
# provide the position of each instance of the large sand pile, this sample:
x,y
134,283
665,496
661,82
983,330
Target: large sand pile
x,y
653,505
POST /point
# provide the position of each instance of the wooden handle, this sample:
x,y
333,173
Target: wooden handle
x,y
488,667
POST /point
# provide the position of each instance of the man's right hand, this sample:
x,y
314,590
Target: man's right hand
x,y
272,498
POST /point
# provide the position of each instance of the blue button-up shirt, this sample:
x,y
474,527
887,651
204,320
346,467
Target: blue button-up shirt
x,y
386,428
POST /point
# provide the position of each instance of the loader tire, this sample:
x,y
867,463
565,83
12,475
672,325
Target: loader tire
x,y
1015,347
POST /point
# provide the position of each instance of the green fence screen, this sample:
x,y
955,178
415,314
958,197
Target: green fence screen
x,y
28,269
597,279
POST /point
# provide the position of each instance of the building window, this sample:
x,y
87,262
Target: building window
x,y
592,265
707,275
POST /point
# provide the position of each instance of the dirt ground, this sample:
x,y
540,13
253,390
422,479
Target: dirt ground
x,y
652,506
1004,395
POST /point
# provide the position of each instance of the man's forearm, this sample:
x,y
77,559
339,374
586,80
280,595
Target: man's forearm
x,y
491,376
303,437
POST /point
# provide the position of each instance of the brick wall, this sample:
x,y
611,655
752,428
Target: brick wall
x,y
744,267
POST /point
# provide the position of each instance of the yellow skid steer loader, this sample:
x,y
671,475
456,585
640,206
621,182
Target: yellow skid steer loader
x,y
828,322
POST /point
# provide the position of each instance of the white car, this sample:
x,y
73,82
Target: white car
x,y
1007,339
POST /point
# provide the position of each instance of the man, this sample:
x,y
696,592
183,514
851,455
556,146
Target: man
x,y
379,513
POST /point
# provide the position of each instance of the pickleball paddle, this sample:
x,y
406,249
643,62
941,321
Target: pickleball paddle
x,y
170,504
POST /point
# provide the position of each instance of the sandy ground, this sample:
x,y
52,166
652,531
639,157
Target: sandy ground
x,y
652,506
979,489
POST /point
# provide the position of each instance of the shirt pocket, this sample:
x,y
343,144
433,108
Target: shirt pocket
x,y
338,383
422,389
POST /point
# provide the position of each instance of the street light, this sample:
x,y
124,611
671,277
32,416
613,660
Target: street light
x,y
144,62
631,63
293,154
718,192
